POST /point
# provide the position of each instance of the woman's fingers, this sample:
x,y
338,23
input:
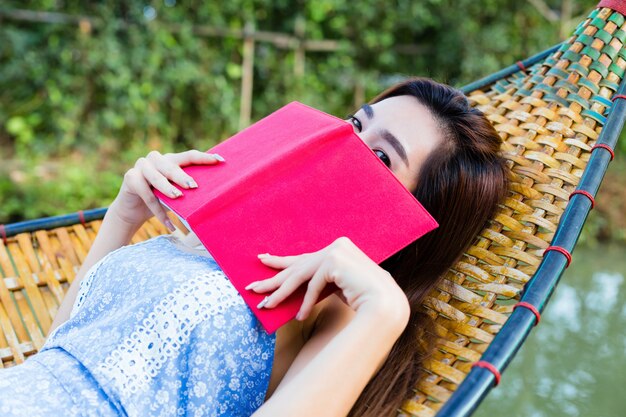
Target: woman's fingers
x,y
286,281
194,156
169,171
279,262
136,202
359,279
276,262
156,179
269,284
159,169
291,281
314,289
142,189
169,168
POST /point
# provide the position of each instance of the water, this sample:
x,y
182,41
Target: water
x,y
574,362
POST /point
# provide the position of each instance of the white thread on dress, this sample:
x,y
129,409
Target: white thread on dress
x,y
139,357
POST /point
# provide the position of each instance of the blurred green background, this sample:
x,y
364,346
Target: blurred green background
x,y
86,88
572,364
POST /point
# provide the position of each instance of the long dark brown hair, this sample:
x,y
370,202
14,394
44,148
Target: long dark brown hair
x,y
461,184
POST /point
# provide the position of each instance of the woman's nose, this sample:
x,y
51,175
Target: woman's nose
x,y
365,137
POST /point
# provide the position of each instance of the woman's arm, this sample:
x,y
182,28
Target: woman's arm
x,y
332,369
338,361
134,204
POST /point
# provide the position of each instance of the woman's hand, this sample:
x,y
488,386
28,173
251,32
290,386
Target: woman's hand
x,y
362,283
136,203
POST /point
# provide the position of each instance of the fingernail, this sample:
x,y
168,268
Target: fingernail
x,y
192,184
219,157
299,316
263,255
251,285
170,225
176,192
263,303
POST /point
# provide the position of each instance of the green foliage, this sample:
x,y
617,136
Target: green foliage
x,y
141,73
142,78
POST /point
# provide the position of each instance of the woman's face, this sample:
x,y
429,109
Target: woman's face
x,y
401,131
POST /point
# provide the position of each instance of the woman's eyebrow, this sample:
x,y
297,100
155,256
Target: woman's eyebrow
x,y
396,145
369,111
388,136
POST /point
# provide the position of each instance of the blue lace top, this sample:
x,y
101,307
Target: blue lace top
x,y
163,332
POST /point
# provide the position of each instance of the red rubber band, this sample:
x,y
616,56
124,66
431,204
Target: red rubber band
x,y
521,65
531,308
4,233
586,194
618,96
604,146
563,251
489,367
617,5
81,216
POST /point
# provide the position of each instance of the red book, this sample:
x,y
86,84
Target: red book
x,y
293,183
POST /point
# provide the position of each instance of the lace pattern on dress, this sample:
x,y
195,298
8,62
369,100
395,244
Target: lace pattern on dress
x,y
139,357
85,285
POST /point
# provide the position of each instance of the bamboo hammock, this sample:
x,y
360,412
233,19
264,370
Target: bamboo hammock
x,y
559,116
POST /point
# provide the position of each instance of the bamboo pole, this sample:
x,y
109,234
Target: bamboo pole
x,y
247,78
300,27
359,91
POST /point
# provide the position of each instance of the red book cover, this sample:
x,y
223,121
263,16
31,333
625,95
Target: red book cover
x,y
293,183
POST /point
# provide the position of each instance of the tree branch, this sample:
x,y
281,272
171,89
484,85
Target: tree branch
x,y
279,40
545,10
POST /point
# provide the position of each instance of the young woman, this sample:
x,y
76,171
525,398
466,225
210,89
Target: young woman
x,y
156,328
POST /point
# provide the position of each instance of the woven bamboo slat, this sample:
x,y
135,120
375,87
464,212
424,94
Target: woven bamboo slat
x,y
36,269
549,117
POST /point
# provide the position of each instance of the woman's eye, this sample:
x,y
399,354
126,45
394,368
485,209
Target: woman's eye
x,y
356,122
383,157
